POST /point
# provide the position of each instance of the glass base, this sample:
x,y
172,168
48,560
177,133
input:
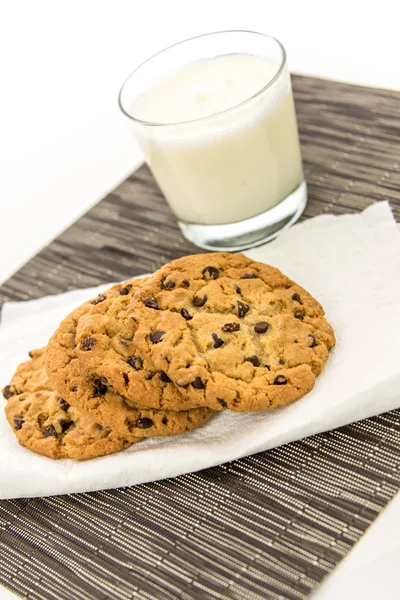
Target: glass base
x,y
250,232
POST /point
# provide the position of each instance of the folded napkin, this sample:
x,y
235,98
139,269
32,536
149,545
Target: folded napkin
x,y
350,263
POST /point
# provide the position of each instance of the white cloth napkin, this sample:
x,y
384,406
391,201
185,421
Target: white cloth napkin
x,y
351,263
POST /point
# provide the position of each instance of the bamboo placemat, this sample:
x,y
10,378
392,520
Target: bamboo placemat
x,y
267,526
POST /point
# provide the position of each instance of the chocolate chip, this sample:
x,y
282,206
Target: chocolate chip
x,y
186,314
126,378
237,288
49,431
199,301
243,309
198,384
65,424
164,377
280,380
261,327
151,303
186,283
267,367
99,388
164,420
249,276
30,353
135,362
210,273
88,343
167,285
281,361
296,341
99,299
217,341
63,404
144,423
124,291
75,388
254,360
299,315
222,402
313,341
230,327
156,336
296,298
18,422
8,392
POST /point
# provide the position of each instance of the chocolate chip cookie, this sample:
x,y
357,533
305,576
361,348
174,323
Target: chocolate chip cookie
x,y
92,391
229,332
45,423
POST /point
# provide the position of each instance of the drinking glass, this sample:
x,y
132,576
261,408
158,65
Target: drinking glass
x,y
234,179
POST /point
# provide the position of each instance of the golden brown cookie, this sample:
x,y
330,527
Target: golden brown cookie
x,y
92,392
229,332
45,423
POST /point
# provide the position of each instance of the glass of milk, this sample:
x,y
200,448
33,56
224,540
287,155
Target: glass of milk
x,y
215,119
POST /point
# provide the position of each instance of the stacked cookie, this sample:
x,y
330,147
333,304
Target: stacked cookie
x,y
159,355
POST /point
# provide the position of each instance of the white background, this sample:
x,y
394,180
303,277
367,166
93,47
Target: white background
x,y
63,143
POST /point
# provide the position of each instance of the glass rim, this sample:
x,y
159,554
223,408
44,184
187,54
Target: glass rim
x,y
226,110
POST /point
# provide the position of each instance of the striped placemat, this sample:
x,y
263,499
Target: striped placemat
x,y
267,526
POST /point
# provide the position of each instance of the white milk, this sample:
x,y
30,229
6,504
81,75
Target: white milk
x,y
218,167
